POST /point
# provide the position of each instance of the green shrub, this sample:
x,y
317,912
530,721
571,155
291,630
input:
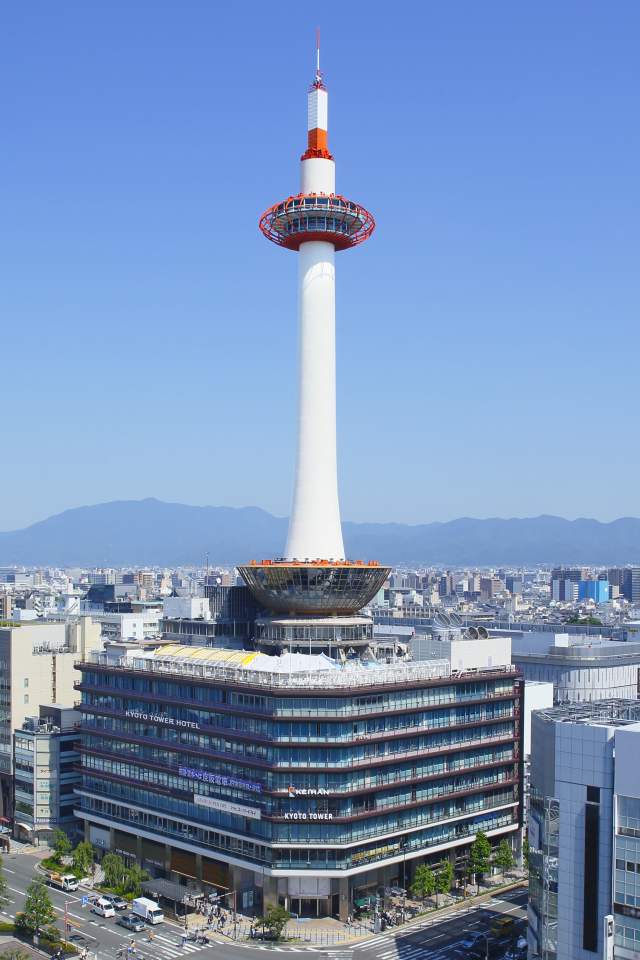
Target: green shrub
x,y
7,926
51,945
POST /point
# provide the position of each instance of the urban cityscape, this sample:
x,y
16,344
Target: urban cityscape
x,y
310,751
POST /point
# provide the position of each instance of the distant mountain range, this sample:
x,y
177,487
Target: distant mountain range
x,y
151,532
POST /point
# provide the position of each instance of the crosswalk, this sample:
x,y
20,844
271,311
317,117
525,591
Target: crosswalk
x,y
164,948
409,951
395,936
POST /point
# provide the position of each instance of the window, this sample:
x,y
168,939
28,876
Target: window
x,y
26,682
26,698
593,794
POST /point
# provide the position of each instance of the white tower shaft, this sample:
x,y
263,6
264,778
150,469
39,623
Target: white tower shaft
x,y
315,532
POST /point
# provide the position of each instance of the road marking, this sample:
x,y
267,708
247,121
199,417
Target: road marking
x,y
6,870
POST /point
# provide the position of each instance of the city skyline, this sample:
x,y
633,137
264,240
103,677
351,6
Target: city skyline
x,y
484,139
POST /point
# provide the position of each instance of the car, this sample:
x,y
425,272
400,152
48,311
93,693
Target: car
x,y
501,926
118,903
130,922
103,908
473,940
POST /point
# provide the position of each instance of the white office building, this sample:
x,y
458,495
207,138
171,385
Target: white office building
x,y
584,832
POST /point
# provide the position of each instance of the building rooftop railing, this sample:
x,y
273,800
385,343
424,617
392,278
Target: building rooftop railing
x,y
614,711
342,677
303,679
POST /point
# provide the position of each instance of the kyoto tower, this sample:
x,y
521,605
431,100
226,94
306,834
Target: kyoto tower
x,y
314,576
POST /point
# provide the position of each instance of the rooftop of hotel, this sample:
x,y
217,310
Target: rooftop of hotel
x,y
298,670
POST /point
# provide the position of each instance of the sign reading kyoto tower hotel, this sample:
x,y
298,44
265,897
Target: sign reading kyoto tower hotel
x,y
314,577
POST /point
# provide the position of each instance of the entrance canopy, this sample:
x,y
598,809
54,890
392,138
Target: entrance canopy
x,y
168,889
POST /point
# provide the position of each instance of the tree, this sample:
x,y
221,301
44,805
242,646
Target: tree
x,y
424,882
275,920
134,876
38,913
3,883
480,855
525,852
83,858
114,869
61,844
444,878
504,857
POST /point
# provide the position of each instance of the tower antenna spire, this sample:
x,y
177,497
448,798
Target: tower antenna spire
x,y
318,74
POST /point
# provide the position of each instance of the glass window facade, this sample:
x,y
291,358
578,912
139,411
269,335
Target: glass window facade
x,y
333,781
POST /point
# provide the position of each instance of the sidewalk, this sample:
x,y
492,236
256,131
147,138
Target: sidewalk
x,y
330,932
457,906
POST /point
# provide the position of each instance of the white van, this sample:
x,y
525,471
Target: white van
x,y
147,909
103,908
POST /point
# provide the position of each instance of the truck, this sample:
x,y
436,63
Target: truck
x,y
63,881
147,910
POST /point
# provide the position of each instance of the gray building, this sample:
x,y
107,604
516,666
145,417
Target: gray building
x,y
581,668
45,761
584,832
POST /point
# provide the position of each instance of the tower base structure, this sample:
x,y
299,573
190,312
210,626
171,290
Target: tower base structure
x,y
341,638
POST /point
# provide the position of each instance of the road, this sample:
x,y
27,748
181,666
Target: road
x,y
427,940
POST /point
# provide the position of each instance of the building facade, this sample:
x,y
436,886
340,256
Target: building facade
x,y
45,760
584,832
36,666
312,788
581,668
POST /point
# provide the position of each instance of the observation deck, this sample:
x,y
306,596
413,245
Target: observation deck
x,y
316,216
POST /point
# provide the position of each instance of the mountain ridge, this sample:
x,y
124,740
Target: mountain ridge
x,y
157,533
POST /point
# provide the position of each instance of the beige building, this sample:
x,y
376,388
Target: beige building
x,y
36,666
6,605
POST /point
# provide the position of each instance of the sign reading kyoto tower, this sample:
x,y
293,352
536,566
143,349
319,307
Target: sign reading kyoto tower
x,y
314,576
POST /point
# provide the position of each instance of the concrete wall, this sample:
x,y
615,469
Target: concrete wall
x,y
463,654
537,696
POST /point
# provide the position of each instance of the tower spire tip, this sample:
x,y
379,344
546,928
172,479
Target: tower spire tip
x,y
318,79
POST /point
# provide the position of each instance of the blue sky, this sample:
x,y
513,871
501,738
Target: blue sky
x,y
487,334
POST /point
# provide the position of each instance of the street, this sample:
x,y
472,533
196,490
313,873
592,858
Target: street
x,y
429,939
